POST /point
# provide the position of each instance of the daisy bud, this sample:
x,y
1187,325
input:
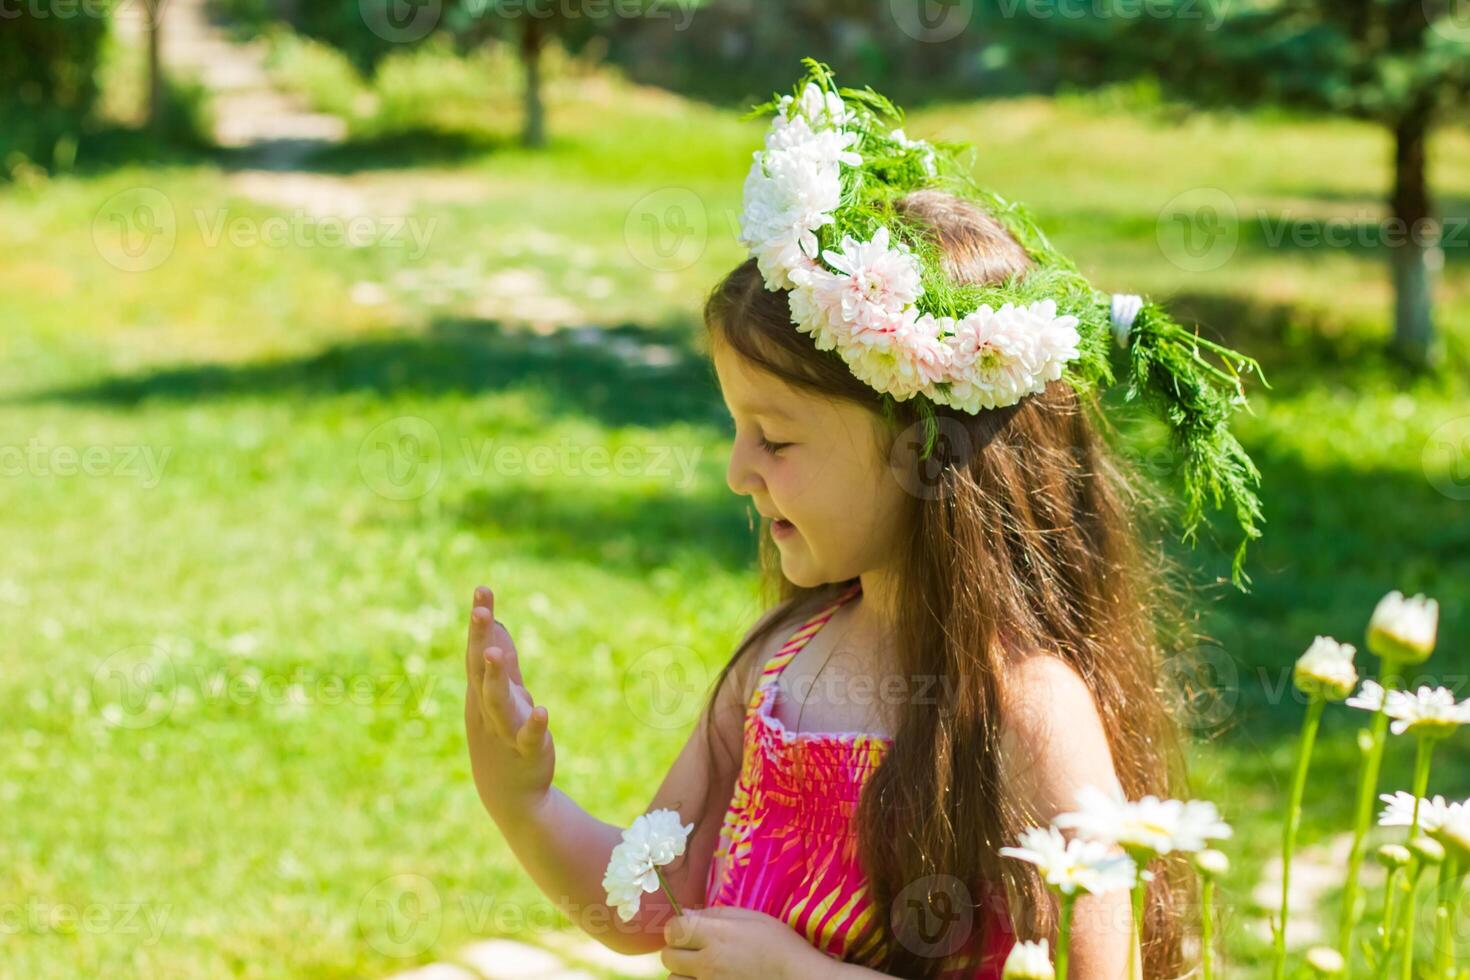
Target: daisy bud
x,y
1393,856
1326,670
1029,961
1404,629
1325,961
1212,863
1427,849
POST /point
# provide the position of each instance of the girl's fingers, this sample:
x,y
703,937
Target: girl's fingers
x,y
495,697
532,735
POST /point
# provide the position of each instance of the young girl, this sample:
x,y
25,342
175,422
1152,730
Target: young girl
x,y
965,631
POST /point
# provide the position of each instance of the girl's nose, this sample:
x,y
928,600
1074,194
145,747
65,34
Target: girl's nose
x,y
739,474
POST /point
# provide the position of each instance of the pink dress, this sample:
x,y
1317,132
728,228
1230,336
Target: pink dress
x,y
788,846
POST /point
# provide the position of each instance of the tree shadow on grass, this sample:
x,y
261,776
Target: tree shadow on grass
x,y
625,375
633,526
404,149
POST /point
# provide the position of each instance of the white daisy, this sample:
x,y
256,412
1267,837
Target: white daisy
x,y
1404,629
1029,961
1149,825
1433,812
1326,670
654,840
1431,712
1074,865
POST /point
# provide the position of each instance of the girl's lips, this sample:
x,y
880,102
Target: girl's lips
x,y
780,527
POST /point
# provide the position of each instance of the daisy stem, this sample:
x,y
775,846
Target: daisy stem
x,y
1207,927
1293,822
1390,892
1423,751
668,894
1405,937
1367,786
1444,916
1064,932
1140,891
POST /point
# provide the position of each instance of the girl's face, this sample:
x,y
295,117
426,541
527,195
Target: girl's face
x,y
814,464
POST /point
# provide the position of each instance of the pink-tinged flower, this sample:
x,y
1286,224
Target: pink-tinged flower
x,y
1000,356
875,278
901,356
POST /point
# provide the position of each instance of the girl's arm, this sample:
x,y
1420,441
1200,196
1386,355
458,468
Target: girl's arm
x,y
563,848
1053,744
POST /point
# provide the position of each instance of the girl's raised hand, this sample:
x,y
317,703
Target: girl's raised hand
x,y
511,750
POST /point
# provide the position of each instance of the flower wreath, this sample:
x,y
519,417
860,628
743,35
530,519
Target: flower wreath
x,y
819,217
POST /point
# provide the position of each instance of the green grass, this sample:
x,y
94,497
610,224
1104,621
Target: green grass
x,y
330,492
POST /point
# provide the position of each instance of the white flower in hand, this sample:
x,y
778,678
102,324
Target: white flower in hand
x,y
1404,629
654,840
1029,961
1074,865
1326,670
1148,826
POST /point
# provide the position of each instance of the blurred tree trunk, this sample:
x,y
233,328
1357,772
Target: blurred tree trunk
x,y
533,133
1415,252
153,12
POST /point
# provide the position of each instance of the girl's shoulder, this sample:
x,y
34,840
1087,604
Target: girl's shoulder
x,y
769,633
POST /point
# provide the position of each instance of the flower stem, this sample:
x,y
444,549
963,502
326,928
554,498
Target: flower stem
x,y
1423,751
667,893
1444,916
1405,936
1140,892
1390,891
1207,927
1064,932
1293,822
1367,786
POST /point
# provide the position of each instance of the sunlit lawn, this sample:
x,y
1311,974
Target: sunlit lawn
x,y
304,457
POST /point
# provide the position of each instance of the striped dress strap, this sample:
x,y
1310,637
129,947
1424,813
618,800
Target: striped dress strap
x,y
799,639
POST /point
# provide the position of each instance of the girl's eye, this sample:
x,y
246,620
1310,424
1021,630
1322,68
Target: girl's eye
x,y
771,447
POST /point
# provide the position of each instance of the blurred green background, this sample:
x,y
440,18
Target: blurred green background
x,y
317,314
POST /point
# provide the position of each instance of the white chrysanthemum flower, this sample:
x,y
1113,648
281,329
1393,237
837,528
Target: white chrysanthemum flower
x,y
1000,356
874,277
815,106
654,840
1326,670
901,355
1150,825
899,137
1431,712
1029,961
1433,811
791,190
1074,865
1404,629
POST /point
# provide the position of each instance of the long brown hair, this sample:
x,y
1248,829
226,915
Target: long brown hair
x,y
1025,537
